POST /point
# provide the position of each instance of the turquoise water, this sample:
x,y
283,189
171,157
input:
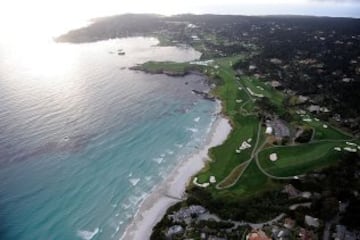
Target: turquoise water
x,y
83,139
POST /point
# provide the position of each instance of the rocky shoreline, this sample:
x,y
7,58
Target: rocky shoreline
x,y
204,95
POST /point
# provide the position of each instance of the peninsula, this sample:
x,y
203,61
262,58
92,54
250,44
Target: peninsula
x,y
289,87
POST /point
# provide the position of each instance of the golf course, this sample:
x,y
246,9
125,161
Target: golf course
x,y
242,165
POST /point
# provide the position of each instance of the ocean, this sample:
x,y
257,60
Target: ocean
x,y
83,139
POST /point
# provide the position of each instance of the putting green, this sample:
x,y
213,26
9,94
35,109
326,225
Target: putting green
x,y
296,160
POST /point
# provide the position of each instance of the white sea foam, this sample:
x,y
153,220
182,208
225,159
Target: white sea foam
x,y
197,119
163,172
162,155
136,199
87,235
158,160
194,130
148,178
179,145
154,207
170,152
118,227
134,181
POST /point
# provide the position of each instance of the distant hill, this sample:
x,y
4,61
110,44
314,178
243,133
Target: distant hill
x,y
128,25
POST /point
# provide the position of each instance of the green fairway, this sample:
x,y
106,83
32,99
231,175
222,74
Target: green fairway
x,y
327,132
251,182
234,176
259,87
296,160
224,158
251,179
247,172
228,92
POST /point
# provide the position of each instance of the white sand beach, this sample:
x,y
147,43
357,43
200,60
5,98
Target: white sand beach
x,y
172,189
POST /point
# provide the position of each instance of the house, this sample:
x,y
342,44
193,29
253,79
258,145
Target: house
x,y
289,223
302,99
279,233
174,230
186,213
306,235
275,84
252,68
291,191
311,221
257,234
314,108
276,61
279,128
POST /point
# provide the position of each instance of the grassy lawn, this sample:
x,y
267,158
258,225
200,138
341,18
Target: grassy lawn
x,y
296,160
252,182
322,133
228,92
241,94
233,177
224,158
260,87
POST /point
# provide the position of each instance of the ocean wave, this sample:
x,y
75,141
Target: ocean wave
x,y
194,130
158,160
170,152
136,199
129,208
87,235
134,181
163,173
179,145
125,206
117,229
117,134
197,119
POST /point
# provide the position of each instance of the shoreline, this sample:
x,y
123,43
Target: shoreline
x,y
172,189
